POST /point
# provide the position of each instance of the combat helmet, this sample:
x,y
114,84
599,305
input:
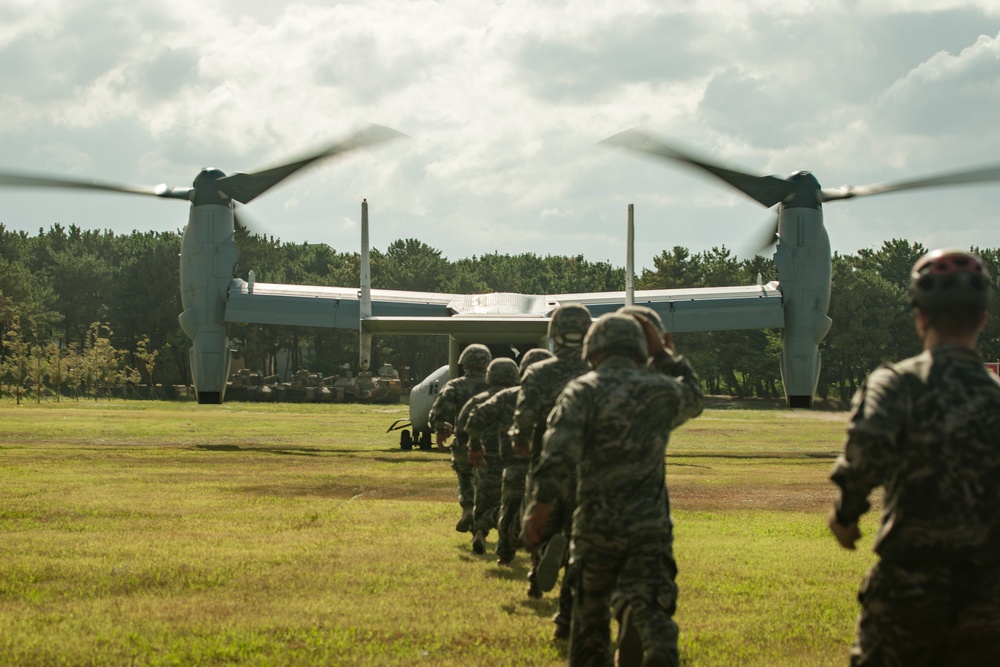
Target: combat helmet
x,y
648,314
533,356
569,324
949,280
614,333
502,373
475,357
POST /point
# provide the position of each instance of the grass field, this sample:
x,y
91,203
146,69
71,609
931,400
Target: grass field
x,y
170,533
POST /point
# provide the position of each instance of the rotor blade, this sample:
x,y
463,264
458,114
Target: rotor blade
x,y
245,187
767,190
249,224
10,179
763,239
981,175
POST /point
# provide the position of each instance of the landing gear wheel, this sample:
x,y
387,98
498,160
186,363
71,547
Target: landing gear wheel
x,y
425,440
405,440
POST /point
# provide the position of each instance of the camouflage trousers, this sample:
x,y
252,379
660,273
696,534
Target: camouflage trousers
x,y
489,479
511,495
637,567
928,615
466,475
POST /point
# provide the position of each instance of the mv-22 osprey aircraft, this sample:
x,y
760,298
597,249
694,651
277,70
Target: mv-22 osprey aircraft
x,y
212,296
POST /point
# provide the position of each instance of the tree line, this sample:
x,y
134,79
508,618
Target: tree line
x,y
84,310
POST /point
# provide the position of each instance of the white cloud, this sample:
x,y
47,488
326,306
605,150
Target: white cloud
x,y
504,103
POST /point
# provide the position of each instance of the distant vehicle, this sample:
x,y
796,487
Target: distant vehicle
x,y
306,387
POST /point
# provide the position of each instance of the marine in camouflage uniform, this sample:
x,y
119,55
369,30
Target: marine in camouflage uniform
x,y
927,429
484,452
539,389
444,415
612,426
629,644
498,412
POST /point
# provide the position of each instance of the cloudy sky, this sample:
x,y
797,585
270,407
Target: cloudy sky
x,y
504,103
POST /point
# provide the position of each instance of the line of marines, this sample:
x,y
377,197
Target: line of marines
x,y
564,455
519,441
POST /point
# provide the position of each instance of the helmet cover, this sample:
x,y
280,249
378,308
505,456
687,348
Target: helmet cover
x,y
949,280
569,324
475,357
614,333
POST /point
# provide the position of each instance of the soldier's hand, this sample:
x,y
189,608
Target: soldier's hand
x,y
533,525
448,429
668,342
653,342
846,535
477,457
440,438
522,448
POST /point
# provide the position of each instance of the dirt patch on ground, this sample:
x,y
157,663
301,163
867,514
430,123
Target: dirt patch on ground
x,y
729,403
804,499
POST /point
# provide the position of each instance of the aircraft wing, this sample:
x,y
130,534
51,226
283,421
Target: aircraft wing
x,y
498,317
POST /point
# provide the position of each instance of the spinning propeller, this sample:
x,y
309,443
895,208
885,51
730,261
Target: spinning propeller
x,y
801,188
212,186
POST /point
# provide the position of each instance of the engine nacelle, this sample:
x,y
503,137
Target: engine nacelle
x,y
802,260
208,259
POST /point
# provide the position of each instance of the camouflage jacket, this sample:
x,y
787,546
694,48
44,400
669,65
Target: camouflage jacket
x,y
540,388
452,397
612,426
477,438
927,429
496,413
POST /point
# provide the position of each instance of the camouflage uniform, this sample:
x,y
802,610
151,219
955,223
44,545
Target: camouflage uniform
x,y
498,412
540,387
612,426
446,408
501,374
927,429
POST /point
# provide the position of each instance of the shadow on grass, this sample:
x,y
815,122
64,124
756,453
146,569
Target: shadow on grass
x,y
286,451
754,457
544,607
409,459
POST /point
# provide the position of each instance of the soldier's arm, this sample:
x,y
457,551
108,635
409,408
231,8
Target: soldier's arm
x,y
467,416
443,410
483,416
462,422
525,411
690,395
563,444
877,417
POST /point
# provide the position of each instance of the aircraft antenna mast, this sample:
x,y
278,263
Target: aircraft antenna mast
x,y
365,347
630,258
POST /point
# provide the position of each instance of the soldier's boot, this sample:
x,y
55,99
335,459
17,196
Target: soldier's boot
x,y
514,533
505,562
629,653
551,560
479,543
561,631
467,521
660,659
533,590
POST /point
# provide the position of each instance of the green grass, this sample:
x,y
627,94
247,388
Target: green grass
x,y
174,534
